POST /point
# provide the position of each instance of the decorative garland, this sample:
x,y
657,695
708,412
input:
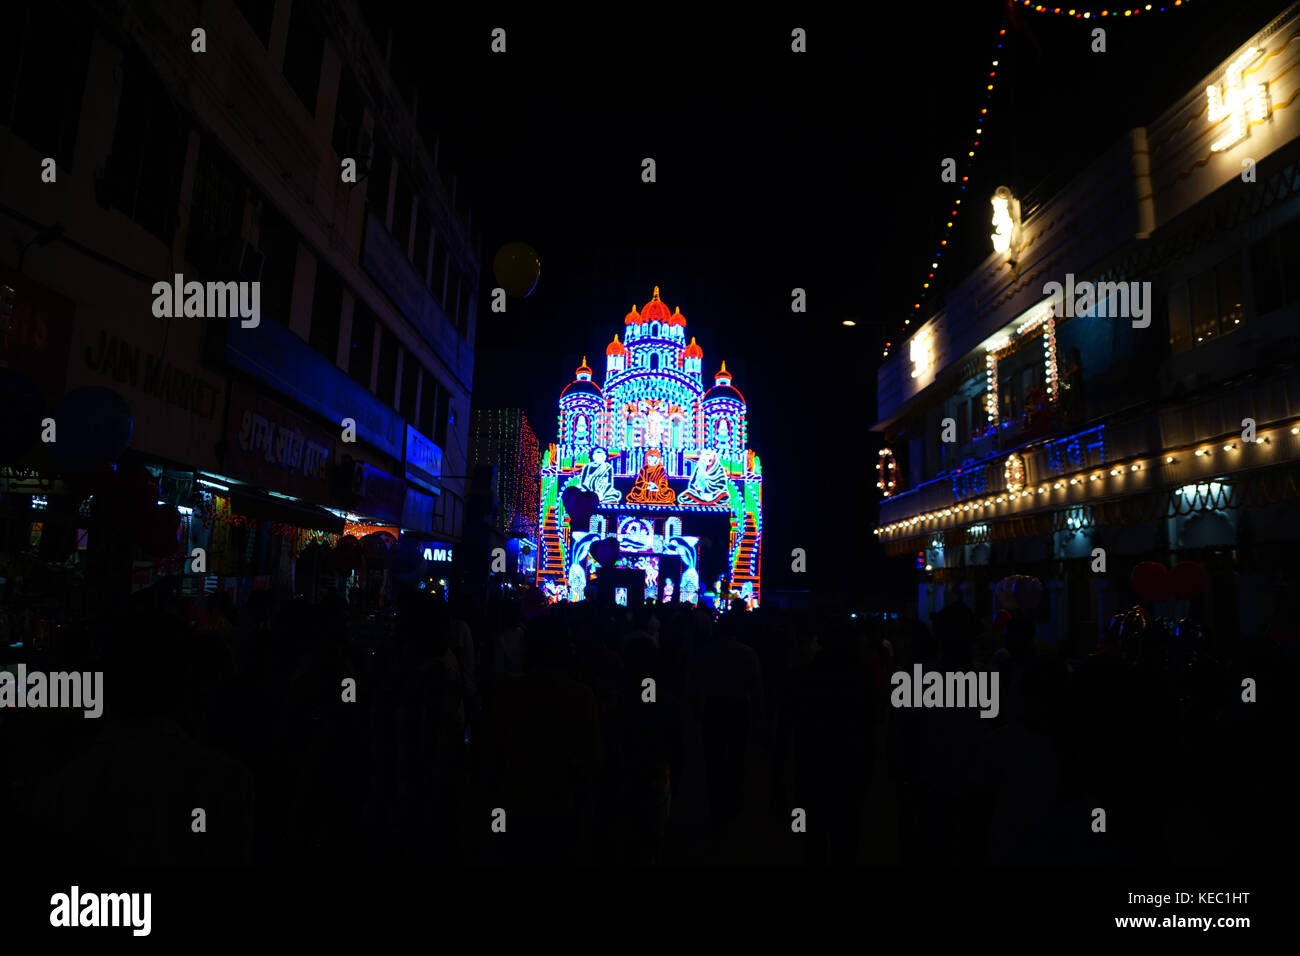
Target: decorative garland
x,y
983,118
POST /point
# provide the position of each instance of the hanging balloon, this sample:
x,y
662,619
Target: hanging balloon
x,y
1150,581
92,428
1188,579
1133,622
1006,593
1027,591
580,505
1001,620
517,269
130,494
86,483
20,422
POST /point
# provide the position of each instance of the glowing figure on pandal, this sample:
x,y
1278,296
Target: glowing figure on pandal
x,y
598,476
690,585
709,482
577,582
651,486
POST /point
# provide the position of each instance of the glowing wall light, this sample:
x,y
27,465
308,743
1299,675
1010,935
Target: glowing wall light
x,y
922,353
1006,221
1240,103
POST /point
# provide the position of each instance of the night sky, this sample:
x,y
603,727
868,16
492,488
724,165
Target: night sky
x,y
775,170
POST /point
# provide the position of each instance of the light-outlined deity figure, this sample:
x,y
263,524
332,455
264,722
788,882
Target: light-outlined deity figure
x,y
708,485
598,476
651,486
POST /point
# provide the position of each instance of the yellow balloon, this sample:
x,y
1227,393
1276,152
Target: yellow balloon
x,y
517,269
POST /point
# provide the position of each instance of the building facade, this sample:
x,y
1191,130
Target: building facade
x,y
270,144
666,462
1122,382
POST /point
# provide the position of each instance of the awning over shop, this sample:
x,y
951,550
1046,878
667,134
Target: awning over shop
x,y
299,514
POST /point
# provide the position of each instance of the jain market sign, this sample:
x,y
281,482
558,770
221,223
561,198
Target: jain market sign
x,y
438,553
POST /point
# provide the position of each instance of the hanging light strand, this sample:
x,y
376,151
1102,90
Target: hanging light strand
x,y
950,220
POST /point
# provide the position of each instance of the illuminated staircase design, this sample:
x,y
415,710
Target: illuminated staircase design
x,y
745,566
552,563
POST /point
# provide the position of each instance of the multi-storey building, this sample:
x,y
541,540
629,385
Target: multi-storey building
x,y
1147,405
253,141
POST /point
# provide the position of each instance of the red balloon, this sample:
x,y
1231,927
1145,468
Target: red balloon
x,y
1150,581
1001,621
1188,579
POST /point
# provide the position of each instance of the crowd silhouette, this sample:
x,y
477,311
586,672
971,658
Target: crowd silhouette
x,y
477,733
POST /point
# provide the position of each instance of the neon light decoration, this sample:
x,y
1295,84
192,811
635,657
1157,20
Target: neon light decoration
x,y
1014,473
886,467
666,458
1243,106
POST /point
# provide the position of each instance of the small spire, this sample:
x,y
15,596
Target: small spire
x,y
656,297
724,362
584,362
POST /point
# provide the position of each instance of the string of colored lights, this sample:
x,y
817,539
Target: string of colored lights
x,y
980,121
1088,14
983,118
1231,443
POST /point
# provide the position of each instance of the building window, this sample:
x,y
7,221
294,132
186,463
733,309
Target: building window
x,y
444,414
1266,276
278,244
463,307
1227,280
143,172
379,178
1180,327
420,257
258,13
213,245
362,349
1204,311
402,214
44,51
302,54
326,306
438,277
386,381
348,113
410,381
428,404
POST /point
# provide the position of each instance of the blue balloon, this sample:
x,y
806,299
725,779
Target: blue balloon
x,y
93,427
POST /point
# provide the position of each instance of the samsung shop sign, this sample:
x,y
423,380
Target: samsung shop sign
x,y
423,462
438,553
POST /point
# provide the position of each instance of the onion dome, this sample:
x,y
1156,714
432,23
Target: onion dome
x,y
723,388
582,384
616,347
693,350
655,311
633,317
677,318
